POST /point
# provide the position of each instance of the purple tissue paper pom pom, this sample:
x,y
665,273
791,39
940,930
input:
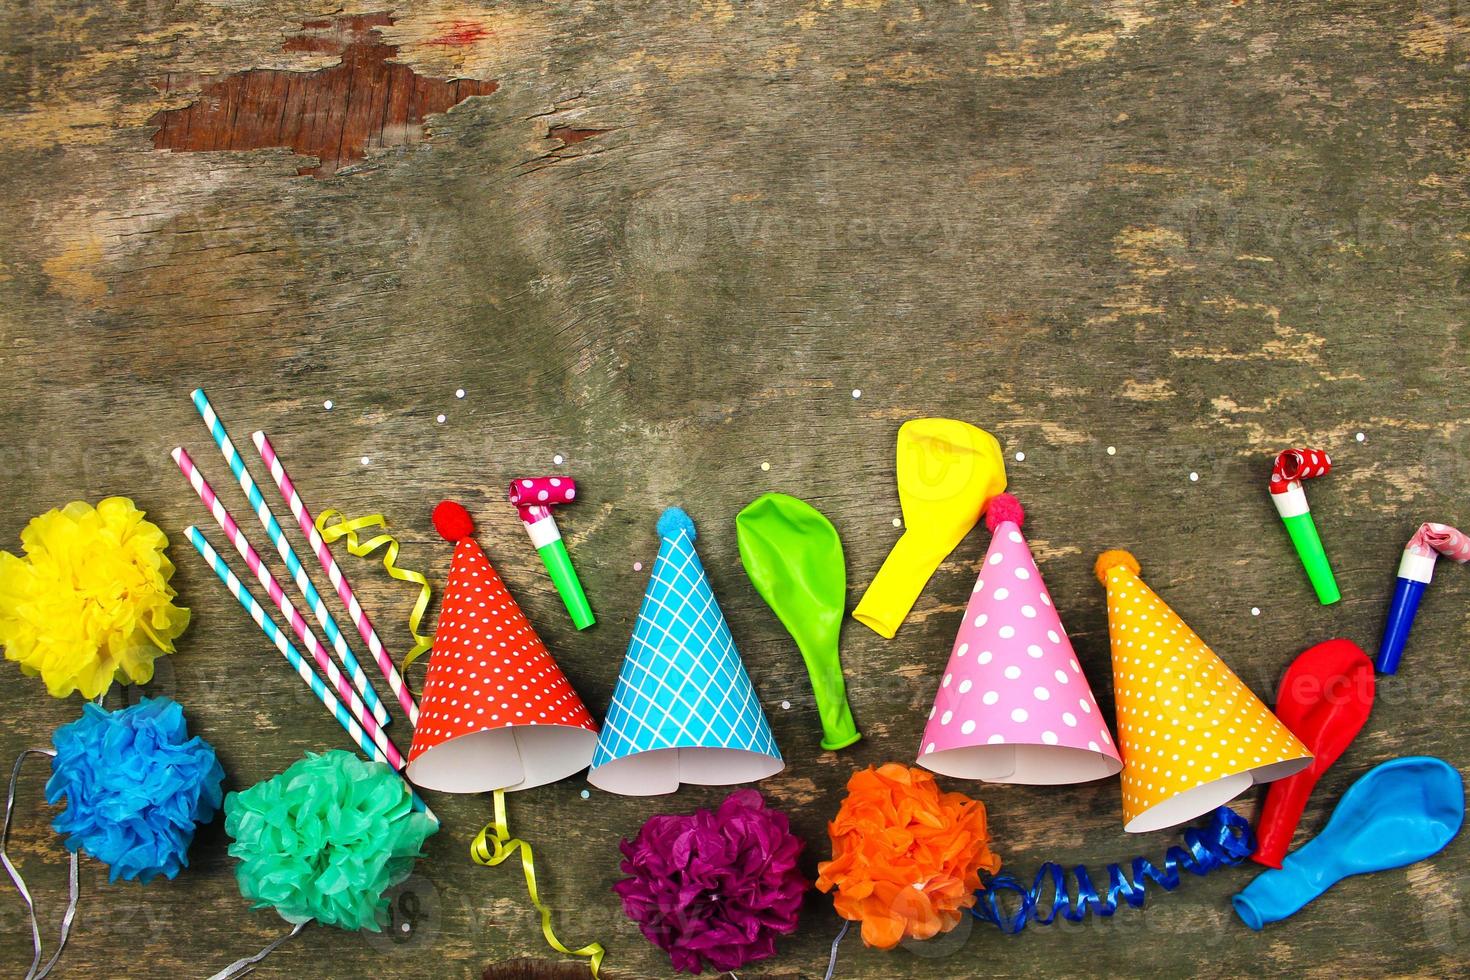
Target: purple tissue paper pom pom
x,y
716,887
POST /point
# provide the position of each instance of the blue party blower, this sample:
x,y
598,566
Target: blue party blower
x,y
1398,813
1416,569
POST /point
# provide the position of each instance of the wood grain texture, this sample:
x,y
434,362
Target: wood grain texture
x,y
668,248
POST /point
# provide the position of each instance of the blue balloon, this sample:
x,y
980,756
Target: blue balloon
x,y
1398,813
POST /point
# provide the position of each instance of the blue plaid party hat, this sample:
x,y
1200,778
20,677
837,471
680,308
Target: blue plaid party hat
x,y
684,710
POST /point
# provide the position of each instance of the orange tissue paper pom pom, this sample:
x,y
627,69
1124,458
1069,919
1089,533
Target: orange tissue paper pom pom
x,y
906,858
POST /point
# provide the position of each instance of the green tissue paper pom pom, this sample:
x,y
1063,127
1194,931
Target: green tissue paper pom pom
x,y
325,839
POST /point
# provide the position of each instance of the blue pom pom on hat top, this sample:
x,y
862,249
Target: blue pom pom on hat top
x,y
672,521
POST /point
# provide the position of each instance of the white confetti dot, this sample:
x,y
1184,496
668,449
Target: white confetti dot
x,y
586,795
459,393
1019,715
857,392
765,467
327,404
1255,610
406,927
439,419
785,705
638,566
1112,450
1020,457
1360,437
366,460
557,459
1193,477
897,522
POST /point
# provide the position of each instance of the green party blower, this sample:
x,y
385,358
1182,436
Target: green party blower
x,y
533,498
1292,467
794,559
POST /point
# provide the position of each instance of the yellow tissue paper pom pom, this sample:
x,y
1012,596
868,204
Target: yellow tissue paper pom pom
x,y
91,601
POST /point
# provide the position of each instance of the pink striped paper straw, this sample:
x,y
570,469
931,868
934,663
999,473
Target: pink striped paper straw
x,y
339,581
364,732
278,596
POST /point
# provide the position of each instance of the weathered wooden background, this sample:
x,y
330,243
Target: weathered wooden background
x,y
667,241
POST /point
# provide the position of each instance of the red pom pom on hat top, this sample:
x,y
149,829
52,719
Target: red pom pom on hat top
x,y
452,521
1003,507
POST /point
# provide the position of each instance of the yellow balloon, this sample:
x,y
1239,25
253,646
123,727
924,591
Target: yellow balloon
x,y
948,471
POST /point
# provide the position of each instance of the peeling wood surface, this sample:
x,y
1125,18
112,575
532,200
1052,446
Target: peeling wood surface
x,y
668,247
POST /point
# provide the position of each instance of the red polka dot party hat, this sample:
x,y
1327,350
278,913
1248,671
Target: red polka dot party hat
x,y
1193,736
496,712
1013,705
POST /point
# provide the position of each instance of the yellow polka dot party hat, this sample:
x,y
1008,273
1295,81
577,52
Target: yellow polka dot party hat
x,y
1193,735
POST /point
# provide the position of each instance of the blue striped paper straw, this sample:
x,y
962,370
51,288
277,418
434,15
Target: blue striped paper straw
x,y
257,612
288,555
381,751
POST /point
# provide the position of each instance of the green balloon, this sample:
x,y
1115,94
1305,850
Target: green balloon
x,y
794,559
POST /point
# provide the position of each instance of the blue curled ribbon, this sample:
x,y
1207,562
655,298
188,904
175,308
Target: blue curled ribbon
x,y
1226,841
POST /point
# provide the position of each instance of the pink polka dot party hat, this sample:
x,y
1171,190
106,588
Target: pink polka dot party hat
x,y
496,712
1013,705
1194,737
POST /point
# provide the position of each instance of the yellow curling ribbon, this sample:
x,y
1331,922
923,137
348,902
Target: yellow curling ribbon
x,y
348,528
504,846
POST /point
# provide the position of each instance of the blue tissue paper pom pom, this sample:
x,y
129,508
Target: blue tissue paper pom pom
x,y
674,520
135,786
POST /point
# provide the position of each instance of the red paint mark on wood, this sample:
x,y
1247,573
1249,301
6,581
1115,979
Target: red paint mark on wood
x,y
336,114
569,135
460,33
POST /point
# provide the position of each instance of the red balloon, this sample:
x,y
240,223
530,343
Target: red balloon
x,y
1325,698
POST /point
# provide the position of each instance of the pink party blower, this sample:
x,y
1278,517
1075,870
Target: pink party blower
x,y
1416,569
533,498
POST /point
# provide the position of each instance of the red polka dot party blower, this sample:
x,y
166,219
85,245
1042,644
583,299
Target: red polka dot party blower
x,y
496,712
1416,569
1293,466
1013,705
533,498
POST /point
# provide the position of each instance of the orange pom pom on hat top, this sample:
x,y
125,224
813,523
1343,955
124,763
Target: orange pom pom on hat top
x,y
906,858
496,712
1193,736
